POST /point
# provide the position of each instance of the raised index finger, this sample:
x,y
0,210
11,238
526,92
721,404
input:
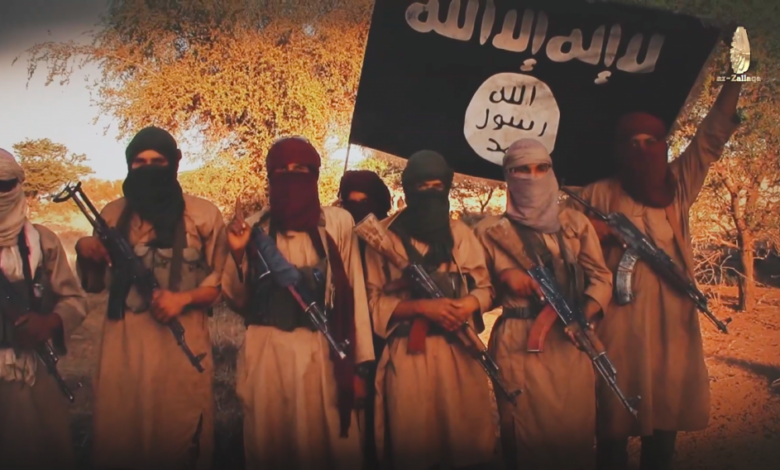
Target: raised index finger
x,y
237,212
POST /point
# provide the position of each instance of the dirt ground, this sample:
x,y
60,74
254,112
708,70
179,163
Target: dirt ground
x,y
744,431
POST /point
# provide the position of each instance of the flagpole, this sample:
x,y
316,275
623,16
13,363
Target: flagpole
x,y
346,159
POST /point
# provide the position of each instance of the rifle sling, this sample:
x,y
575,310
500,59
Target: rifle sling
x,y
533,244
179,243
274,306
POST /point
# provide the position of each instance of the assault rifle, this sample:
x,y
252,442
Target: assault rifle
x,y
639,246
14,307
127,269
370,231
264,257
507,239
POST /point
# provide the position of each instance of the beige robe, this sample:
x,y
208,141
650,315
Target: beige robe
x,y
655,342
434,406
148,396
554,424
285,380
34,422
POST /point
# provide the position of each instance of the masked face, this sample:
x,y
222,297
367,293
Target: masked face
x,y
154,193
509,107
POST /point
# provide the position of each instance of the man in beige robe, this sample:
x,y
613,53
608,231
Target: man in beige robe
x,y
361,193
34,424
432,399
554,425
299,398
655,341
153,409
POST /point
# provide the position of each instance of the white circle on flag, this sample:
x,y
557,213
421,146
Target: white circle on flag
x,y
508,107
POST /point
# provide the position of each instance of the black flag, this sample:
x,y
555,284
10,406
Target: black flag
x,y
467,78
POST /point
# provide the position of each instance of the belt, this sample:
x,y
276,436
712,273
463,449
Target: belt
x,y
520,313
404,329
254,321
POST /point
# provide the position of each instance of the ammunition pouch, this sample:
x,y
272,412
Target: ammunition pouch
x,y
272,305
42,303
194,269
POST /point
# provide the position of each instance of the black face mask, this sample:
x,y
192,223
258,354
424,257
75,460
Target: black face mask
x,y
154,193
359,209
427,219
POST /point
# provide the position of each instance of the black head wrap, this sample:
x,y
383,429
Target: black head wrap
x,y
427,215
379,199
153,192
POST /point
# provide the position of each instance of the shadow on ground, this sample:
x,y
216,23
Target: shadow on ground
x,y
768,372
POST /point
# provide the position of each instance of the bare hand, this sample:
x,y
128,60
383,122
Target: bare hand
x,y
238,232
521,284
167,305
441,311
591,312
91,248
33,329
466,308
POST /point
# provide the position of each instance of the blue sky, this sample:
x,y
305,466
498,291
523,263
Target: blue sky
x,y
63,114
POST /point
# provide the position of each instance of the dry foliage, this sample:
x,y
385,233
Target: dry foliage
x,y
47,167
738,211
239,73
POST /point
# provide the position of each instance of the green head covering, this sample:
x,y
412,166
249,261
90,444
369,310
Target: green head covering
x,y
426,165
427,214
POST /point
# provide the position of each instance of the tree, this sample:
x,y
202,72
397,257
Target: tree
x,y
739,207
47,167
101,192
239,73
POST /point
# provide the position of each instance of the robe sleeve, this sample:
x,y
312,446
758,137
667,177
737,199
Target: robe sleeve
x,y
215,247
234,288
492,261
70,302
350,251
95,277
380,305
706,148
471,258
591,259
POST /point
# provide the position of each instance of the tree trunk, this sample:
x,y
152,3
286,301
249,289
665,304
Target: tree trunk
x,y
747,283
483,205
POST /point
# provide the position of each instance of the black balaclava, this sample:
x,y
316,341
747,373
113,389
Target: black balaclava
x,y
427,215
153,192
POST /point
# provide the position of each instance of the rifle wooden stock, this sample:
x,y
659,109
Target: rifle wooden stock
x,y
509,242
